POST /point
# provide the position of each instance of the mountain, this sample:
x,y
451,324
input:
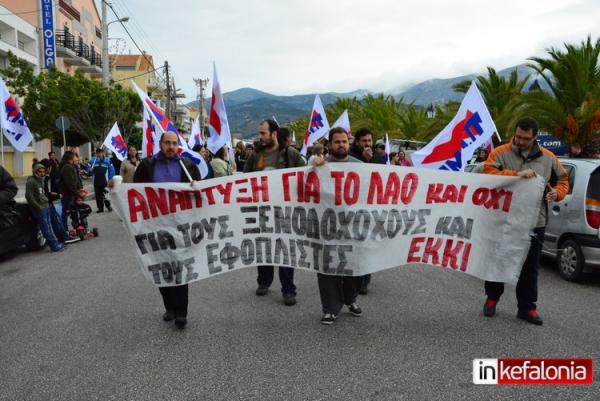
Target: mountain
x,y
246,107
439,91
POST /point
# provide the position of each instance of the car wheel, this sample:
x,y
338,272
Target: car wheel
x,y
37,241
570,261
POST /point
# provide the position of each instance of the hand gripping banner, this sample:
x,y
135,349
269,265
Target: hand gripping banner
x,y
341,219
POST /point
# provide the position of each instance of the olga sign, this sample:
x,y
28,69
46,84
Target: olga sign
x,y
48,33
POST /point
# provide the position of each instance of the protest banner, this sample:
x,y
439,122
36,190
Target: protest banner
x,y
341,218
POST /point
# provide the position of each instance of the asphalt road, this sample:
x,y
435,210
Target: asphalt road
x,y
86,325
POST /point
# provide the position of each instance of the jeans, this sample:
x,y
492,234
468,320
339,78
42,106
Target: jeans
x,y
286,277
101,200
43,220
57,224
66,202
527,286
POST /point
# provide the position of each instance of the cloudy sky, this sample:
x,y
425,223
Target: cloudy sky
x,y
291,47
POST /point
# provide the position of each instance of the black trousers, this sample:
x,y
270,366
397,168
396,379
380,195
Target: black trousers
x,y
527,286
364,281
175,299
337,291
101,200
286,277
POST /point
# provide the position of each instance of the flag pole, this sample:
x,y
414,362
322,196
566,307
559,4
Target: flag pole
x,y
185,170
2,144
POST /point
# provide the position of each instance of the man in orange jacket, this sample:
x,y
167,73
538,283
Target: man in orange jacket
x,y
523,157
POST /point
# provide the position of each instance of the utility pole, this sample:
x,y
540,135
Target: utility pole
x,y
105,79
168,109
201,85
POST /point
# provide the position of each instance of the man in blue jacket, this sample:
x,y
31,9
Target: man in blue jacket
x,y
102,171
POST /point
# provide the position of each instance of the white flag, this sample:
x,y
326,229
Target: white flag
x,y
115,142
195,138
344,122
318,127
12,121
469,129
387,150
150,138
218,126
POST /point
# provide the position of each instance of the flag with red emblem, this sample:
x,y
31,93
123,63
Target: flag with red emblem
x,y
12,121
471,128
318,127
218,126
115,143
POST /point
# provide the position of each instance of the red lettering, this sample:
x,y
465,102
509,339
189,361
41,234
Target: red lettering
x,y
157,201
286,185
209,195
413,249
409,187
463,191
177,198
465,258
434,193
313,188
392,189
507,201
300,186
480,196
242,190
225,191
137,203
375,188
258,189
337,179
351,188
451,254
431,250
450,194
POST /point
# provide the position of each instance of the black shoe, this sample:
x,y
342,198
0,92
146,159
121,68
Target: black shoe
x,y
262,291
109,208
530,316
180,322
489,307
328,318
355,309
168,316
363,289
289,299
99,211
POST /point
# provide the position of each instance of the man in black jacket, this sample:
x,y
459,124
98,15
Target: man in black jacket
x,y
168,166
362,149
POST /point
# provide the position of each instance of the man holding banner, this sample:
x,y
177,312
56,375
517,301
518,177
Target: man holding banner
x,y
523,157
272,156
169,166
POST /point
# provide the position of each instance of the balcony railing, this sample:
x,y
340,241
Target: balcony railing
x,y
65,39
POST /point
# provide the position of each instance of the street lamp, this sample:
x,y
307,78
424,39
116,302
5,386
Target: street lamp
x,y
105,71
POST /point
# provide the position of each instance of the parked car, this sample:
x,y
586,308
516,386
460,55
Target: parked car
x,y
24,232
572,235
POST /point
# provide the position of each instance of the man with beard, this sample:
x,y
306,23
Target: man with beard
x,y
168,166
271,155
362,149
337,291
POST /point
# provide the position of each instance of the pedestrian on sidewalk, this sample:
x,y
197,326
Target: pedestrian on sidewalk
x,y
69,183
129,165
102,171
37,201
524,157
337,291
167,166
274,154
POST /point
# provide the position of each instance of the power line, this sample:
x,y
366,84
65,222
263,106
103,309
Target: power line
x,y
27,12
139,75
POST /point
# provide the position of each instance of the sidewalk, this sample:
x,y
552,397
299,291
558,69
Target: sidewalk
x,y
21,181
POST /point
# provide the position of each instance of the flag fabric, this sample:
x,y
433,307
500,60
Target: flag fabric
x,y
454,146
387,150
115,143
163,124
195,138
488,145
149,137
218,126
197,159
344,122
294,137
318,127
12,120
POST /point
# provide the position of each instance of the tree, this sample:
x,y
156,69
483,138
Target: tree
x,y
571,111
502,96
91,108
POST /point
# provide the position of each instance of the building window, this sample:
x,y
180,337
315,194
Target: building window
x,y
21,45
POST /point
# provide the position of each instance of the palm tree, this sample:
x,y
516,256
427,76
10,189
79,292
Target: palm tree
x,y
572,108
502,97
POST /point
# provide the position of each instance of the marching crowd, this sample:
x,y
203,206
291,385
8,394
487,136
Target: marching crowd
x,y
54,180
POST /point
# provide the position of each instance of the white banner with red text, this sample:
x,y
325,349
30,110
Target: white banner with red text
x,y
341,218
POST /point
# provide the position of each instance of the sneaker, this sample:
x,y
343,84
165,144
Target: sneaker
x,y
89,235
180,322
355,309
530,316
328,318
57,248
262,291
289,299
70,240
168,316
489,308
99,211
109,208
